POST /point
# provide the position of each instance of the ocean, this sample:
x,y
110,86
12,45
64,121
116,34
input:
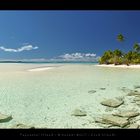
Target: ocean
x,y
47,98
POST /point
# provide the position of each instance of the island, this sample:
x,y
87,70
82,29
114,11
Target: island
x,y
118,57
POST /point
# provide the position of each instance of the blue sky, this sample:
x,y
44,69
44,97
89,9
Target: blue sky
x,y
65,34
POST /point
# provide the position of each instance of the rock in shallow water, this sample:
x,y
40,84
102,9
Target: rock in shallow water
x,y
100,120
79,112
133,93
112,102
138,102
23,126
136,99
5,118
115,120
128,113
102,88
91,91
137,86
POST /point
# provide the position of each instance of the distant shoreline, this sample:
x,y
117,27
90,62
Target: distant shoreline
x,y
49,62
118,66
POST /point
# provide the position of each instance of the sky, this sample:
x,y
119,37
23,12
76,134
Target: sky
x,y
67,35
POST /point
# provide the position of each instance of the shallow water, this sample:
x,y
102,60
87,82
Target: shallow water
x,y
46,99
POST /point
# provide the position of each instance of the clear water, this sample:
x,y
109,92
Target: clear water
x,y
46,99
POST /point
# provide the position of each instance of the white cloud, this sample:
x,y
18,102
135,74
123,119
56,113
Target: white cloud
x,y
79,57
23,48
90,55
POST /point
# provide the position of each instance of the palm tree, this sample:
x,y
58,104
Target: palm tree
x,y
120,38
106,57
117,56
129,56
118,53
136,47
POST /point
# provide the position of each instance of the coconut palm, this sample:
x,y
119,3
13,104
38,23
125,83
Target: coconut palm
x,y
117,56
120,38
136,47
118,53
106,57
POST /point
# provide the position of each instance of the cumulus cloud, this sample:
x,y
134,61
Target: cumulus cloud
x,y
79,57
23,48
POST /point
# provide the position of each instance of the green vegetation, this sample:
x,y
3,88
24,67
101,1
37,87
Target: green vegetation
x,y
117,57
120,38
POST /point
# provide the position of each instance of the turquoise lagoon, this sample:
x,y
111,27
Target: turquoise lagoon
x,y
46,99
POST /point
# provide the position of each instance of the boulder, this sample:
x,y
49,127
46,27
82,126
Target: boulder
x,y
79,112
137,86
23,126
5,118
115,120
112,102
91,91
133,93
127,114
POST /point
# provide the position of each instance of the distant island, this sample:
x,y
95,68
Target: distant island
x,y
117,57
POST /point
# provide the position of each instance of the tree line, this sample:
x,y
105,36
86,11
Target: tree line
x,y
117,57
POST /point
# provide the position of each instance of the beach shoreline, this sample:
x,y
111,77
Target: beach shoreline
x,y
118,66
41,69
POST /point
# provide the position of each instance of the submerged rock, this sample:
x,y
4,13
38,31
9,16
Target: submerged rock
x,y
112,102
133,93
135,90
91,91
5,118
23,126
136,99
102,88
79,112
128,114
138,96
100,120
137,86
138,103
115,120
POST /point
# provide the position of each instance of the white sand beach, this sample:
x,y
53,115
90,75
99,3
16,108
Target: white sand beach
x,y
119,66
47,98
